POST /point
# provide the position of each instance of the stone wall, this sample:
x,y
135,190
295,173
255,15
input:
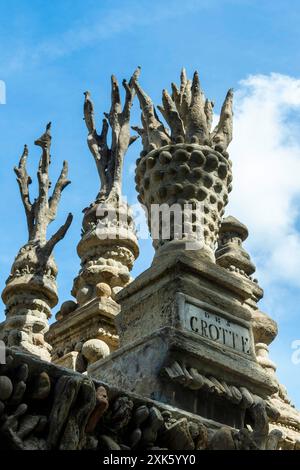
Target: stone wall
x,y
46,407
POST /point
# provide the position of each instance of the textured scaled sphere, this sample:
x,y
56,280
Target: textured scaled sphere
x,y
186,174
94,349
103,290
67,307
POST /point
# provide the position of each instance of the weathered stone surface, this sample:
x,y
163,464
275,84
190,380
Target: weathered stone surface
x,y
188,165
95,320
99,410
230,253
94,349
108,245
6,387
146,367
41,386
78,415
148,303
31,289
193,370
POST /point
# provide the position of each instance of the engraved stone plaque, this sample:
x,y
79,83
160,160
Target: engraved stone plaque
x,y
217,328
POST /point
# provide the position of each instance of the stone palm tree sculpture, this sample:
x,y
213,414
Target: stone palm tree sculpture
x,y
108,246
31,289
186,164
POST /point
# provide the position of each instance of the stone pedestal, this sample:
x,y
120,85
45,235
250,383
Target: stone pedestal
x,y
107,249
95,320
29,295
186,340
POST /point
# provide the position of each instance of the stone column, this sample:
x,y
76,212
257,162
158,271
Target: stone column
x,y
31,290
85,330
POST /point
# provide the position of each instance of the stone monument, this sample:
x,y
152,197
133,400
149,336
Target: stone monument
x,y
176,359
187,335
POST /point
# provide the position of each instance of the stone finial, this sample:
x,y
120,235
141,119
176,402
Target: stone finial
x,y
108,246
109,160
31,289
185,164
230,253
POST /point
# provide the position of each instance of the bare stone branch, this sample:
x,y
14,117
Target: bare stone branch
x,y
109,161
196,120
44,209
24,180
97,144
171,115
157,134
88,110
58,235
208,109
41,206
142,132
61,184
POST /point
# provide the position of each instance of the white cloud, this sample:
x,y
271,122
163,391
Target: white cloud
x,y
266,168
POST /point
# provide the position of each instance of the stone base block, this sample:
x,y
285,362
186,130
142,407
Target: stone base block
x,y
95,320
174,368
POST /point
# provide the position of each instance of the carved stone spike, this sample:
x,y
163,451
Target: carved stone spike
x,y
188,114
222,134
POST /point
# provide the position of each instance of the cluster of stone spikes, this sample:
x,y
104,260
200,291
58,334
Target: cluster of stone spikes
x,y
188,114
109,159
43,210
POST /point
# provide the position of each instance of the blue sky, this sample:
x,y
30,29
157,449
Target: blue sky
x,y
51,52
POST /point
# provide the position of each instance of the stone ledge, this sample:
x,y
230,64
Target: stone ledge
x,y
244,288
46,407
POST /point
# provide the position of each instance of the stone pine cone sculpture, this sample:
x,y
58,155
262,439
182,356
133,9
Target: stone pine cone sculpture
x,y
187,163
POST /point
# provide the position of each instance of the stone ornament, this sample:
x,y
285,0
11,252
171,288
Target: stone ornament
x,y
230,253
108,247
77,413
187,164
31,289
94,349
